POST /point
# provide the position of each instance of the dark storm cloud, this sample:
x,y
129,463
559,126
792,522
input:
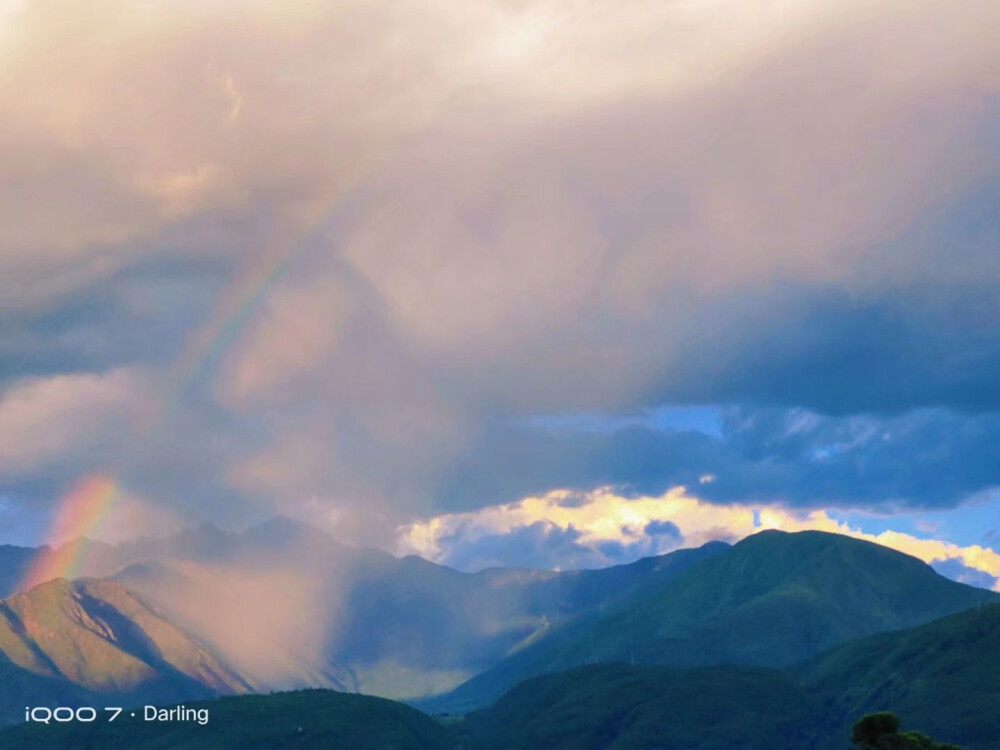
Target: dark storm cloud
x,y
140,314
929,458
663,528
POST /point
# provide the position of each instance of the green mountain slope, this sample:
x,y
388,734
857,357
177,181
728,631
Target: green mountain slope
x,y
616,706
303,719
943,677
771,600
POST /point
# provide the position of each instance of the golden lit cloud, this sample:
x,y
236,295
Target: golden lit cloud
x,y
602,517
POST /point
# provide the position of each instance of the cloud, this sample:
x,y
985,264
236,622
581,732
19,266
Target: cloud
x,y
954,568
46,421
538,545
348,245
601,520
569,529
933,458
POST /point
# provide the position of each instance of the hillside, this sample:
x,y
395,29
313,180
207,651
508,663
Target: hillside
x,y
96,637
943,676
771,600
20,687
302,719
619,706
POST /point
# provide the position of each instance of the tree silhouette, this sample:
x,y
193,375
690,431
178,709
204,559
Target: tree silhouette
x,y
880,731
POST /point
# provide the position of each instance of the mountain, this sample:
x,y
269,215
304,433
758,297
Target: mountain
x,y
14,565
95,637
771,600
303,719
943,677
20,687
287,606
291,607
284,606
621,706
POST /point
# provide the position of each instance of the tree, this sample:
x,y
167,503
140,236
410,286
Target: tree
x,y
880,731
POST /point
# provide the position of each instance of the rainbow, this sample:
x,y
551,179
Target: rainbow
x,y
82,509
78,513
231,317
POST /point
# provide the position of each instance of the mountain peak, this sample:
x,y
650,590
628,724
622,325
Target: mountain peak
x,y
282,530
281,524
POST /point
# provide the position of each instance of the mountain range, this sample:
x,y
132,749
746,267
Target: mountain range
x,y
288,606
789,637
771,600
940,677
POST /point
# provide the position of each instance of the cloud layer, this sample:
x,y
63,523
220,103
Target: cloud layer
x,y
335,259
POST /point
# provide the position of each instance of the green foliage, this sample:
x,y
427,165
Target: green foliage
x,y
869,730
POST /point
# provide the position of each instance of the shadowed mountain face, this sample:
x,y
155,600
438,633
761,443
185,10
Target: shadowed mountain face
x,y
95,637
771,600
20,687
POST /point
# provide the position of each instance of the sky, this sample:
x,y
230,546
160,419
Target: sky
x,y
536,282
